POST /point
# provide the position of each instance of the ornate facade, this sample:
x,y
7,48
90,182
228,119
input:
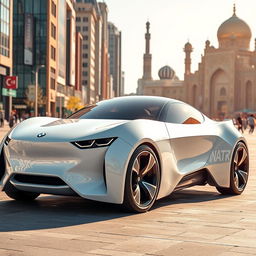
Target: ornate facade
x,y
225,81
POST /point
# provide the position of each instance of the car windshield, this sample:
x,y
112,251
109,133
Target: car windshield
x,y
127,108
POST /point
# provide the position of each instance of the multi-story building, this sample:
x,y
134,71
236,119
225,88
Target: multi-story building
x,y
79,47
104,85
44,37
91,22
115,56
6,21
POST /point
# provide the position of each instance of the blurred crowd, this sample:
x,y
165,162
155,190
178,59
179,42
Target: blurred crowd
x,y
13,119
244,122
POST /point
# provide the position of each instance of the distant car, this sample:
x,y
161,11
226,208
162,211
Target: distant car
x,y
127,150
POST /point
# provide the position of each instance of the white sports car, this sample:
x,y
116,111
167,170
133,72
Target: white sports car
x,y
128,150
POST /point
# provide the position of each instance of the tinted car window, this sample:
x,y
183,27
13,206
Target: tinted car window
x,y
180,113
122,108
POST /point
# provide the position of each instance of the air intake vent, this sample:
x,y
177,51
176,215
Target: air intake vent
x,y
39,179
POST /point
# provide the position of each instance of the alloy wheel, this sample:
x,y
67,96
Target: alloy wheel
x,y
144,180
241,163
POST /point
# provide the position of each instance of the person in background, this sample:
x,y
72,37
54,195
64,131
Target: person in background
x,y
239,124
245,122
11,120
251,122
1,118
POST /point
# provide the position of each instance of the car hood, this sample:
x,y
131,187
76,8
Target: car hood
x,y
48,129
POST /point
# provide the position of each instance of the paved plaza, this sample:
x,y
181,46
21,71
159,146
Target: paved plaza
x,y
196,221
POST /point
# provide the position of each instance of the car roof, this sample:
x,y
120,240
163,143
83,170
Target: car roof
x,y
137,98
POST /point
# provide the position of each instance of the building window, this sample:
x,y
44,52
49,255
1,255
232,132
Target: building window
x,y
52,83
78,19
85,64
53,53
85,55
53,31
86,37
84,82
53,71
223,92
85,46
85,73
54,9
5,27
85,28
85,19
78,29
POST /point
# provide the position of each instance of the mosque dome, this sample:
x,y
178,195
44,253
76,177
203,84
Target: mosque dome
x,y
166,72
234,32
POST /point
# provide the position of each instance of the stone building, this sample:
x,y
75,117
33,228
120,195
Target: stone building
x,y
225,81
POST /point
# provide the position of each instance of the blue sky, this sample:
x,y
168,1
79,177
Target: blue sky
x,y
173,22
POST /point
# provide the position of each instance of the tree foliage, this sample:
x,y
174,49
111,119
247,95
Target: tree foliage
x,y
74,103
30,97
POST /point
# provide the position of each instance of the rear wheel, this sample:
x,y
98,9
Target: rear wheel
x,y
142,180
239,171
19,195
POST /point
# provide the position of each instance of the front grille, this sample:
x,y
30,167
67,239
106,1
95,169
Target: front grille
x,y
39,179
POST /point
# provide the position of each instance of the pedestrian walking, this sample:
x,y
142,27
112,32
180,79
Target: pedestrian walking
x,y
251,122
11,120
245,122
1,118
239,124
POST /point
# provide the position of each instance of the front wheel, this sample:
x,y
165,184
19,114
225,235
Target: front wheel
x,y
239,171
142,180
19,195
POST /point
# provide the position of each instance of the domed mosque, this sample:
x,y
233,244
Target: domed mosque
x,y
166,72
225,80
235,33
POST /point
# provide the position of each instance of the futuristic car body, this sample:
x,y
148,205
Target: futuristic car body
x,y
127,150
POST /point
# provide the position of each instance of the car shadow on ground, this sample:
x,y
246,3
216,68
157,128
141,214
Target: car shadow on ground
x,y
189,196
55,211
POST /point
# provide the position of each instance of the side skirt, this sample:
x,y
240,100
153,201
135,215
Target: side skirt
x,y
200,177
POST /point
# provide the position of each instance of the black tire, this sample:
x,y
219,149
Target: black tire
x,y
142,180
239,171
19,195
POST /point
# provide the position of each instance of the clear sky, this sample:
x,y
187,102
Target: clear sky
x,y
173,22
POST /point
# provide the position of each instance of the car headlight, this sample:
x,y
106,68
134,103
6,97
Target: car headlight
x,y
93,143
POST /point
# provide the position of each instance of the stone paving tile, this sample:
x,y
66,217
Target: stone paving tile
x,y
190,248
114,253
244,250
234,254
143,245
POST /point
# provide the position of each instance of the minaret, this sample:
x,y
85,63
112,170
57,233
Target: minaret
x,y
234,10
147,56
188,49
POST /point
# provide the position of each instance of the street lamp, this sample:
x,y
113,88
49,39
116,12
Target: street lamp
x,y
36,88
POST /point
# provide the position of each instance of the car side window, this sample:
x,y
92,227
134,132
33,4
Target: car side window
x,y
180,113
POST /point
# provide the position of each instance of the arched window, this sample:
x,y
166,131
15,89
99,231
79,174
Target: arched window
x,y
219,81
223,92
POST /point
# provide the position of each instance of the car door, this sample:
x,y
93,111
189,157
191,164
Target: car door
x,y
190,136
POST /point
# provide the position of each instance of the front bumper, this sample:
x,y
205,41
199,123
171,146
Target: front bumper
x,y
95,173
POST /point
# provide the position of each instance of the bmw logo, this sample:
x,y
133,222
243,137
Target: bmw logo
x,y
40,135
